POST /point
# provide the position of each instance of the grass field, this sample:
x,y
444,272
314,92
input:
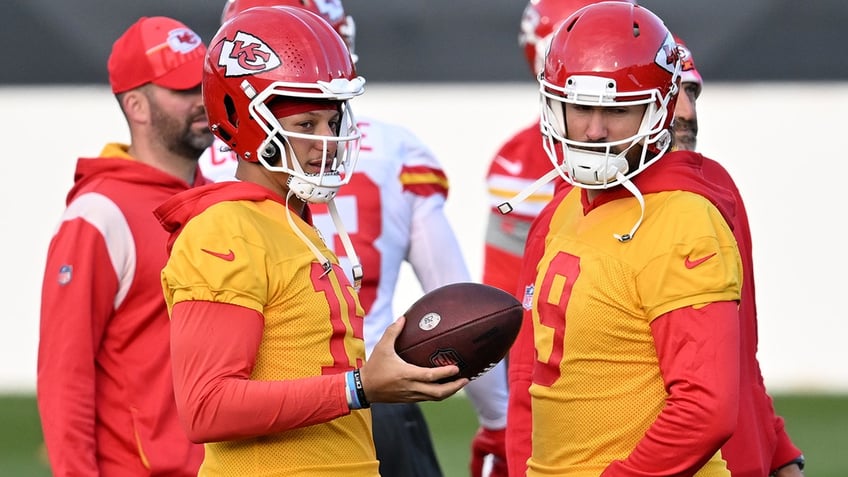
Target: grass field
x,y
818,424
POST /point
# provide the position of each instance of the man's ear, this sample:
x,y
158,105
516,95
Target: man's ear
x,y
136,106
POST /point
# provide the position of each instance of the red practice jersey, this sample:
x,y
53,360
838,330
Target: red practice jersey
x,y
760,444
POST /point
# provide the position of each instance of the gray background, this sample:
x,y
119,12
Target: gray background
x,y
53,42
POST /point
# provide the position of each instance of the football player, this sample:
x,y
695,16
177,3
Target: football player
x,y
753,450
266,328
393,208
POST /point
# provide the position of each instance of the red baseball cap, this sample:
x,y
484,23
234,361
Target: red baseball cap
x,y
158,50
688,73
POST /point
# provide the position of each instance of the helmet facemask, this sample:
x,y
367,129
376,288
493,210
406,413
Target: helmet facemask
x,y
276,154
598,165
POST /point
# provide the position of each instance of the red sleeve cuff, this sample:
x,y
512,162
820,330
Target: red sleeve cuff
x,y
785,451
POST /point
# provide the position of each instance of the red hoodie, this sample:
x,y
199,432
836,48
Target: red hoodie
x,y
105,390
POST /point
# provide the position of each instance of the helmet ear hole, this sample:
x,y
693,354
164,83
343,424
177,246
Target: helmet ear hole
x,y
226,129
232,113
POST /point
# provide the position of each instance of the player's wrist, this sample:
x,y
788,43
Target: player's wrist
x,y
354,391
798,461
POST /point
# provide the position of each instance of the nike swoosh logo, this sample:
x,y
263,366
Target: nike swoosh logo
x,y
690,264
229,256
511,167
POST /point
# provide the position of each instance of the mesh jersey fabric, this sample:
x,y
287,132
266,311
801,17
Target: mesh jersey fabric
x,y
313,323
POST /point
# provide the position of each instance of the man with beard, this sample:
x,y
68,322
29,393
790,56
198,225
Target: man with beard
x,y
685,126
105,387
760,444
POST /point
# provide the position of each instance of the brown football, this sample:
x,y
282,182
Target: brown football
x,y
468,324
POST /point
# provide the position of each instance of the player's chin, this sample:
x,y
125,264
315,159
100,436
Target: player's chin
x,y
685,140
201,139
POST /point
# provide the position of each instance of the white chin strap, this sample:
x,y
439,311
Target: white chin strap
x,y
625,182
507,207
356,267
326,265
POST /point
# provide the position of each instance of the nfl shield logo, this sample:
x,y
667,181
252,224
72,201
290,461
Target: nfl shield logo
x,y
65,273
445,357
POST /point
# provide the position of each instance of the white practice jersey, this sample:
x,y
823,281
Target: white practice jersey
x,y
393,210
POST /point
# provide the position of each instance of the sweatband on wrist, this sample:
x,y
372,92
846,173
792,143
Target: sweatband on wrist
x,y
360,391
350,390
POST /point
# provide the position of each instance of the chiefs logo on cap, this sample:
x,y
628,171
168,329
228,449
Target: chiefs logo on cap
x,y
668,56
686,60
183,40
246,55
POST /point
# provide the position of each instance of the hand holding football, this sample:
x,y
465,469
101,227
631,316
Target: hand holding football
x,y
467,324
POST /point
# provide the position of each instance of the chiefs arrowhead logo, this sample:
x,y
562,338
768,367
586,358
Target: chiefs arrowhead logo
x,y
246,55
183,40
668,55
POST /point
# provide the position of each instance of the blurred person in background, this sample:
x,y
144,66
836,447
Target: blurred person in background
x,y
760,445
105,388
394,206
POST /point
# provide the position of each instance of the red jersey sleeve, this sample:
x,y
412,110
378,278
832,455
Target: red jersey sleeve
x,y
213,348
698,352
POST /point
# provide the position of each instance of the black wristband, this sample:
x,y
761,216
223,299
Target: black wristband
x,y
799,461
360,391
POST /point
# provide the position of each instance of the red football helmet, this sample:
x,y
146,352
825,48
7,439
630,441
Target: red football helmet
x,y
280,54
330,10
540,19
609,54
